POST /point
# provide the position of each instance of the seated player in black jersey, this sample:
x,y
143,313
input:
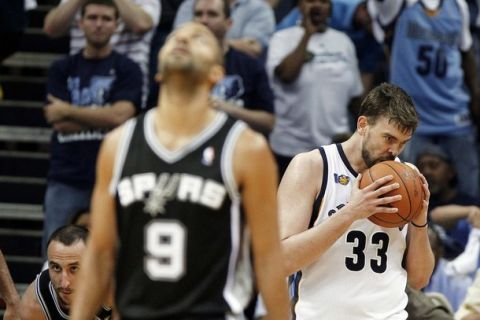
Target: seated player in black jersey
x,y
50,295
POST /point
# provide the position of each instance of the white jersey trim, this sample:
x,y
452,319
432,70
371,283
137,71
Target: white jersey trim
x,y
55,300
234,294
173,156
40,298
121,154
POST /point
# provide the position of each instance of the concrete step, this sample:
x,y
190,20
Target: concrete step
x,y
24,270
37,15
21,211
24,163
27,190
22,113
25,134
32,59
35,40
24,87
25,245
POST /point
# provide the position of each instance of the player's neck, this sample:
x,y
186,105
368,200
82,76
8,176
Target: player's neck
x,y
184,109
176,126
354,153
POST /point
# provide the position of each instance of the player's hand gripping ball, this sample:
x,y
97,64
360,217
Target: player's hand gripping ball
x,y
410,189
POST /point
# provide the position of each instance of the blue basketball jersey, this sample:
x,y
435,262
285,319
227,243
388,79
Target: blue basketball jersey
x,y
426,63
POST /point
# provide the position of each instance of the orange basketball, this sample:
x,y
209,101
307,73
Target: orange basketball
x,y
410,189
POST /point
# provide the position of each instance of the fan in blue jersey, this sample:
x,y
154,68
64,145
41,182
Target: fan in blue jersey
x,y
432,59
182,194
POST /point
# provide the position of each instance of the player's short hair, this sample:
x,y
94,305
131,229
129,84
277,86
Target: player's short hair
x,y
69,235
392,102
108,3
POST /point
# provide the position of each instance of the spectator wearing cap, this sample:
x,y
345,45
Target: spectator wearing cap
x,y
451,209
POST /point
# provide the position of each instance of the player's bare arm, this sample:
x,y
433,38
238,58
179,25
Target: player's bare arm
x,y
29,307
8,292
134,16
98,261
58,20
419,259
256,174
107,117
297,192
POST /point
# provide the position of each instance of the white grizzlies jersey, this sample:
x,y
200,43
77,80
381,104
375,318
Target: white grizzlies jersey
x,y
361,275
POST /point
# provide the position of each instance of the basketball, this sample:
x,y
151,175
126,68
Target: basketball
x,y
410,189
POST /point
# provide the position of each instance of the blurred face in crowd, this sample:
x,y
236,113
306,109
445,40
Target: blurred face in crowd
x,y
99,23
63,267
211,14
437,171
383,140
193,50
317,11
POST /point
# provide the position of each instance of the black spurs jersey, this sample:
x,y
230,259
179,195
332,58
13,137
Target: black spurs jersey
x,y
48,300
183,246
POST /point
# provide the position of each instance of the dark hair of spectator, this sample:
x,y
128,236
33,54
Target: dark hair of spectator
x,y
108,3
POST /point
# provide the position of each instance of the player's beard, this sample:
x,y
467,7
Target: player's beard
x,y
368,157
182,65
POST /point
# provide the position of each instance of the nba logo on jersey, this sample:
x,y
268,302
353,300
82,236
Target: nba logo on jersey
x,y
208,156
342,179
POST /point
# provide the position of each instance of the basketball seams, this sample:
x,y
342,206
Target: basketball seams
x,y
404,184
377,217
420,203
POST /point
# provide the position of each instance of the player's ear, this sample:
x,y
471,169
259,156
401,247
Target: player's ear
x,y
216,73
362,123
158,77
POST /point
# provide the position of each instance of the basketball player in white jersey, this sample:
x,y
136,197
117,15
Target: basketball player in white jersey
x,y
171,189
345,266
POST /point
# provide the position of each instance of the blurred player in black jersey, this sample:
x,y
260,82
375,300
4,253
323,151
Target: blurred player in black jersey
x,y
180,191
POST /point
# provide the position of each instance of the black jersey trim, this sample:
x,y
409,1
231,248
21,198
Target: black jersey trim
x,y
318,201
294,281
345,160
174,156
